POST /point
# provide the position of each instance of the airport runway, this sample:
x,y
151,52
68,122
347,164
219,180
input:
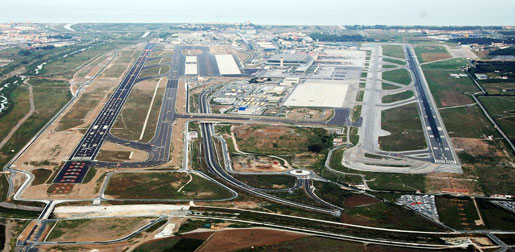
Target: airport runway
x,y
92,141
438,140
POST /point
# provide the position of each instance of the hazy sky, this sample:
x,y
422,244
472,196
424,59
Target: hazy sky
x,y
324,12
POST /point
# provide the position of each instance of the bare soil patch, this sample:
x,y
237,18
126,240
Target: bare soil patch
x,y
247,163
434,56
230,240
358,200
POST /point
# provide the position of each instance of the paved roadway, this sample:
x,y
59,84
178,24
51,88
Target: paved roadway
x,y
216,169
76,168
438,141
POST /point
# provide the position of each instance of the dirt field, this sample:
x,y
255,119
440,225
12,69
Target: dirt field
x,y
220,49
191,52
230,240
310,114
118,153
358,200
67,128
475,146
452,183
251,163
95,229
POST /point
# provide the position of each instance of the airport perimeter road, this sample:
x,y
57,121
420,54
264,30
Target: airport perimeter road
x,y
216,169
437,138
76,168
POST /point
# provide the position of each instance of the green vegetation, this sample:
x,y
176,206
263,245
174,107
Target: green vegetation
x,y
354,137
331,193
398,62
457,212
388,215
17,213
393,51
154,71
175,244
267,181
427,53
495,217
115,70
47,102
405,127
398,97
400,76
359,96
356,113
113,156
387,86
163,185
502,110
378,180
467,122
90,175
40,176
129,123
450,64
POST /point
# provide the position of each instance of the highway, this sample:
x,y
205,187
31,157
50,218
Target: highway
x,y
76,168
438,140
216,169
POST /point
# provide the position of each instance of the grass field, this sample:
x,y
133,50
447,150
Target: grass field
x,y
405,127
356,113
154,71
359,96
500,87
447,90
267,181
398,62
495,217
502,109
95,229
41,176
48,100
275,140
393,51
67,66
387,86
400,76
427,53
450,64
466,122
163,185
397,97
115,70
19,97
129,123
388,215
175,243
457,212
377,180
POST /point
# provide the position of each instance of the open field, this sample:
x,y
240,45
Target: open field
x,y
319,244
449,64
400,76
234,240
387,86
405,127
498,87
397,97
300,146
356,112
467,122
502,109
393,51
267,181
496,217
398,62
447,90
48,100
175,243
130,121
376,180
388,215
154,71
457,212
163,185
20,97
95,229
426,53
67,66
